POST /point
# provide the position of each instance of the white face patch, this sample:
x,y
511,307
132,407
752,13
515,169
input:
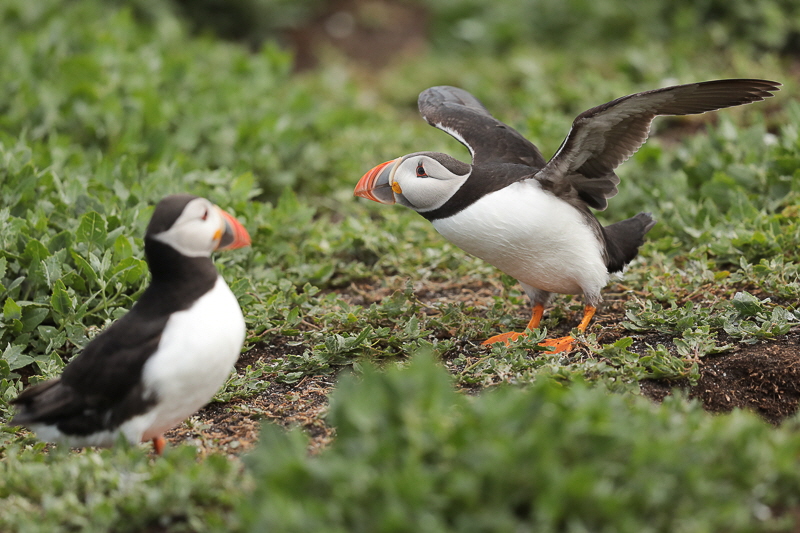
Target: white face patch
x,y
425,182
197,231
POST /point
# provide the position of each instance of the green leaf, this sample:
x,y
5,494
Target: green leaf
x,y
60,241
132,270
32,316
518,459
746,304
15,357
122,248
35,251
54,338
11,310
60,299
53,269
92,229
89,274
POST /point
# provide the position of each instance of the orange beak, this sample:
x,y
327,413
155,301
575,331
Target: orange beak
x,y
375,185
233,235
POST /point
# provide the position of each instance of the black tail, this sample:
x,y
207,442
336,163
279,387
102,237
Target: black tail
x,y
624,238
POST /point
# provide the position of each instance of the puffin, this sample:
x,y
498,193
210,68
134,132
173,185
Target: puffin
x,y
164,359
532,218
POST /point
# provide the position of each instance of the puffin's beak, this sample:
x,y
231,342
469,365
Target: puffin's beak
x,y
232,234
375,185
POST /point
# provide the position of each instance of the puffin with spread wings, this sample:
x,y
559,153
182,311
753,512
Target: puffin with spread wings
x,y
532,218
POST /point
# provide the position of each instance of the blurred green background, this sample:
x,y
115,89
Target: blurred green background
x,y
309,93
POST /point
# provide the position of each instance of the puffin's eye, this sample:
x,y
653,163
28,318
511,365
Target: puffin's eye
x,y
421,171
205,215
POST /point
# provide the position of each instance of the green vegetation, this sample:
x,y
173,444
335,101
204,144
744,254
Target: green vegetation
x,y
474,25
412,454
105,107
118,490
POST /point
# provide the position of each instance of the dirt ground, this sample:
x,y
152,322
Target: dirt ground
x,y
763,377
233,427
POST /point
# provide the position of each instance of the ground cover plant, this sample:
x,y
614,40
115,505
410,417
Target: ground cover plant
x,y
105,108
550,458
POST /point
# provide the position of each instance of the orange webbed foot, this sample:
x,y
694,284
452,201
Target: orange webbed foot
x,y
511,336
561,344
159,443
507,338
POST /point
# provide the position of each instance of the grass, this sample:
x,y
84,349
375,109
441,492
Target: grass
x,y
106,108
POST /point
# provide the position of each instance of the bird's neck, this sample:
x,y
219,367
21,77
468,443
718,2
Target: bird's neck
x,y
173,272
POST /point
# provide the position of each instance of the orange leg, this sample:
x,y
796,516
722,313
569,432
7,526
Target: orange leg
x,y
561,344
508,337
159,443
565,344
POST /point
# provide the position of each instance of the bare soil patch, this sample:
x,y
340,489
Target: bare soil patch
x,y
233,427
764,378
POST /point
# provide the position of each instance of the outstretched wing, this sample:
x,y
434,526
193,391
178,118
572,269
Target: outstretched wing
x,y
605,136
460,114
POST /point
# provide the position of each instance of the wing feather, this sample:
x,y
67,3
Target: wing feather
x,y
458,113
603,137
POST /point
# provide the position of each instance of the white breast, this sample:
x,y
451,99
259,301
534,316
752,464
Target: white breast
x,y
196,354
532,236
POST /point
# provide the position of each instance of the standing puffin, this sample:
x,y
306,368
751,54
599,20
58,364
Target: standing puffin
x,y
529,217
165,358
